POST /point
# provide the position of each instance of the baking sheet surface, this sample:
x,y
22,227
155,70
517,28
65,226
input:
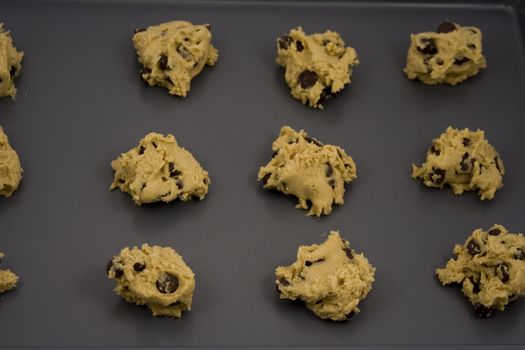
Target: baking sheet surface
x,y
80,104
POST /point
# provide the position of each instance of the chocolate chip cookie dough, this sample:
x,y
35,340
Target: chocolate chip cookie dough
x,y
8,279
10,66
158,169
10,169
331,278
465,161
173,53
315,173
316,66
450,55
490,267
153,276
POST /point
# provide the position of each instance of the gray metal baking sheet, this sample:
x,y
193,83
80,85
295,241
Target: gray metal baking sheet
x,y
80,104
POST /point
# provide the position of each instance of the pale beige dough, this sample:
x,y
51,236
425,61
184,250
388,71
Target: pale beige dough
x,y
315,173
173,53
450,55
8,279
10,169
316,66
465,161
158,169
490,267
331,278
153,276
10,66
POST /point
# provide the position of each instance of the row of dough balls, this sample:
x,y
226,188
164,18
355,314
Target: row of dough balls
x,y
330,278
317,66
158,169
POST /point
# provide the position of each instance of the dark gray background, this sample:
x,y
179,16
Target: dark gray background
x,y
80,104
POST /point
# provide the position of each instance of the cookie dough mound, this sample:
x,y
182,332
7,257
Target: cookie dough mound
x,y
490,267
465,161
158,169
331,278
173,54
315,173
10,66
8,279
153,276
316,66
450,55
10,169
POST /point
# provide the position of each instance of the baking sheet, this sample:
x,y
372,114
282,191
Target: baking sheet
x,y
80,104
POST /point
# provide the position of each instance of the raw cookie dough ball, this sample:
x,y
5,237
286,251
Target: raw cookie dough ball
x,y
10,169
490,267
465,161
153,276
315,173
317,66
450,56
173,54
158,169
331,278
10,66
8,279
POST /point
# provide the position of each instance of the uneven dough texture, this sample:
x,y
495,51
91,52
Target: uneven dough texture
x,y
10,66
153,276
8,279
315,173
173,53
450,56
316,66
490,267
10,169
331,278
158,169
465,161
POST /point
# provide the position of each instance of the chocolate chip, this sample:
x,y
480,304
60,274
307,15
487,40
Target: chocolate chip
x,y
154,144
163,62
460,61
173,172
520,254
438,176
143,186
141,150
139,267
179,184
299,46
446,27
332,183
325,42
183,51
439,61
308,263
284,282
309,203
482,311
496,160
464,164
274,154
471,46
473,247
466,141
348,253
494,232
118,273
167,283
502,271
284,42
208,26
475,286
435,150
138,30
121,181
325,94
171,166
329,170
429,46
312,140
108,266
266,178
350,315
307,79
12,71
